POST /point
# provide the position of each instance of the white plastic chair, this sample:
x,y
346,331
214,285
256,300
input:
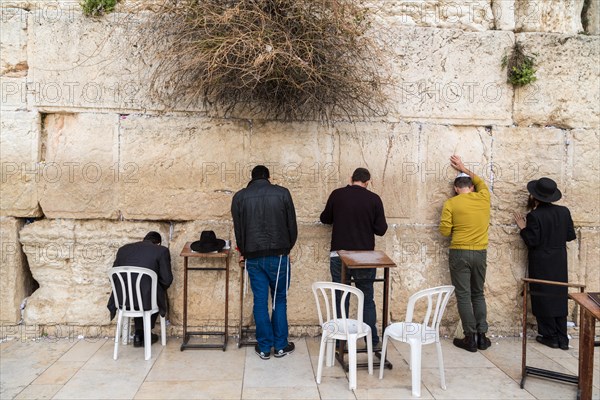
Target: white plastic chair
x,y
340,327
128,279
418,334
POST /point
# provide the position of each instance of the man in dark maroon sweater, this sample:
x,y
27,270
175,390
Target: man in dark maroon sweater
x,y
357,215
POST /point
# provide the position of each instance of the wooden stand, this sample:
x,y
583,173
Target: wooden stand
x,y
589,313
362,259
544,373
243,331
222,255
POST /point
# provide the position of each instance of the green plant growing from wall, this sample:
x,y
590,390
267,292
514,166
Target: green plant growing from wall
x,y
520,67
283,59
95,8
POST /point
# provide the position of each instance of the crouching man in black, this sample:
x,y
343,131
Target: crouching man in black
x,y
147,254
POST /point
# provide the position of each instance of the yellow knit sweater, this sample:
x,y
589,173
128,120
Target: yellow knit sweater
x,y
466,217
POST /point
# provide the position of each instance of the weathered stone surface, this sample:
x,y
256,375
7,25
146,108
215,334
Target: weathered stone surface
x,y
506,265
592,17
450,76
15,279
182,168
20,152
582,189
567,90
13,93
513,166
560,16
81,170
421,258
455,14
504,14
305,165
589,255
80,62
439,142
390,152
70,260
13,44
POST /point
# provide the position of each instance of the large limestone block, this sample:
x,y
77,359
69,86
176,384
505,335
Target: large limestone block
x,y
13,93
81,170
90,63
182,168
504,14
409,163
439,142
300,156
390,152
450,76
567,90
13,43
561,16
582,189
70,260
15,279
19,154
309,263
589,256
454,14
506,266
519,156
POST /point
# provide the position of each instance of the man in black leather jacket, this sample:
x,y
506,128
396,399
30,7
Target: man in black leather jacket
x,y
264,221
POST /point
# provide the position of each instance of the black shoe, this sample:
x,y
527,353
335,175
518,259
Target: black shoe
x,y
289,349
468,343
138,340
563,345
552,343
262,354
482,341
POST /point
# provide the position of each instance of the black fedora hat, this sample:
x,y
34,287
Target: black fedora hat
x,y
544,189
208,243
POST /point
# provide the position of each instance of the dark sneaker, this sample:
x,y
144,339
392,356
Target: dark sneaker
x,y
548,342
289,349
138,340
467,343
482,341
262,354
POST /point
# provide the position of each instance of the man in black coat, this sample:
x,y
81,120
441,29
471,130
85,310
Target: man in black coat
x,y
148,254
264,221
546,231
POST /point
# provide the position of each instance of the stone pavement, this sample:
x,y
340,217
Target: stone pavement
x,y
84,369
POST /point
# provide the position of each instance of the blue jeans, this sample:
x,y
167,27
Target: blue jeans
x,y
364,281
265,274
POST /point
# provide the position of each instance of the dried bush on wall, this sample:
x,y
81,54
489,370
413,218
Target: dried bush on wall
x,y
520,66
287,59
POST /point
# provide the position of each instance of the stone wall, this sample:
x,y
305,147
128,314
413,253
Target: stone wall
x,y
93,162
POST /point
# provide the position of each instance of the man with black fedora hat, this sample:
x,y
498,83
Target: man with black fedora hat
x,y
546,231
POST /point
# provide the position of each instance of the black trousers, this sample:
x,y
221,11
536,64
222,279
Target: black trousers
x,y
554,328
139,323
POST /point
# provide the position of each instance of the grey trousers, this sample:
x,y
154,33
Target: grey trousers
x,y
467,271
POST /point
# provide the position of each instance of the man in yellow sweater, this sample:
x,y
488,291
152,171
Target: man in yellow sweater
x,y
466,217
